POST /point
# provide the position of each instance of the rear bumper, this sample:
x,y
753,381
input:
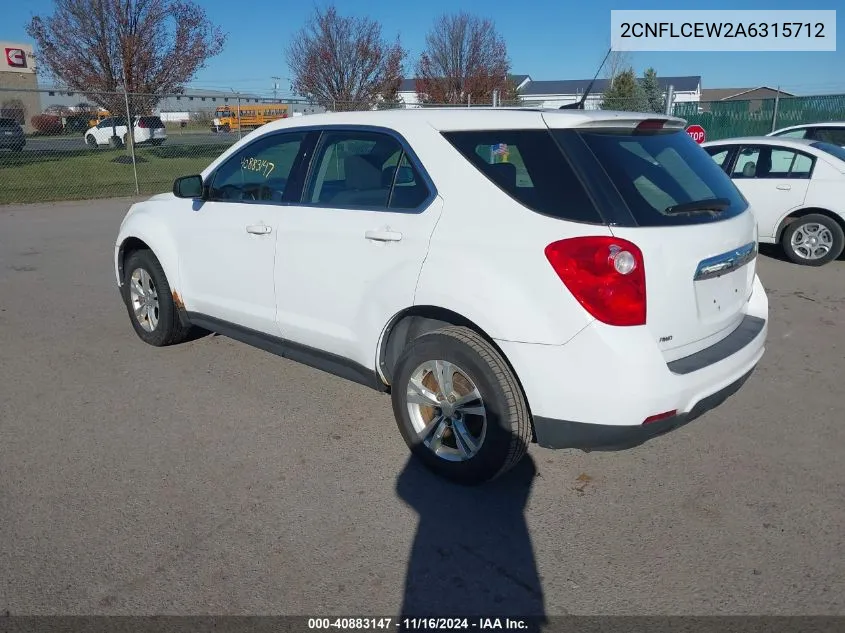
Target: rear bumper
x,y
605,437
597,390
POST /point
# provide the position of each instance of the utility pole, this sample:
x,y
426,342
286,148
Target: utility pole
x,y
275,86
775,113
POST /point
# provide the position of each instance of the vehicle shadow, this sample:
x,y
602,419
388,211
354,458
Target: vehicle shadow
x,y
773,251
472,553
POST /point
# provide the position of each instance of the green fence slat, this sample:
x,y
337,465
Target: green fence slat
x,y
725,119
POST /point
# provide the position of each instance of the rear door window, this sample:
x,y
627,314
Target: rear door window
x,y
772,162
657,172
528,166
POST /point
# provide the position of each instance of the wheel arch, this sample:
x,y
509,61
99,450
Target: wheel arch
x,y
414,321
143,232
800,213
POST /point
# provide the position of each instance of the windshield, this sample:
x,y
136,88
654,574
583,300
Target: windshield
x,y
221,114
660,174
830,148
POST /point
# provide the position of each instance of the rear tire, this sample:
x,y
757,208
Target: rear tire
x,y
115,142
151,308
813,240
483,437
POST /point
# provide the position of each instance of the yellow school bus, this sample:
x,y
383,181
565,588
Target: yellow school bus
x,y
98,116
251,116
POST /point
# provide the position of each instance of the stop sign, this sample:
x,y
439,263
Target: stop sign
x,y
697,133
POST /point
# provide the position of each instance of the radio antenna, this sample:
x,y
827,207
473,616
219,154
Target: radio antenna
x,y
579,105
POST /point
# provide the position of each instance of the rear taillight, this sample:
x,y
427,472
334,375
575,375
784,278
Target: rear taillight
x,y
142,123
605,274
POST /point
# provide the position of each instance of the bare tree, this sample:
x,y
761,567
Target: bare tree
x,y
344,63
153,47
617,62
465,58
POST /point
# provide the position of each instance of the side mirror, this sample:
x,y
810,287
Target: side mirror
x,y
188,187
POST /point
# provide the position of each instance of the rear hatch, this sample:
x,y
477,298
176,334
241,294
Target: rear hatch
x,y
660,191
153,124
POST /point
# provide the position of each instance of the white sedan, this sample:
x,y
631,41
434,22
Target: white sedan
x,y
796,188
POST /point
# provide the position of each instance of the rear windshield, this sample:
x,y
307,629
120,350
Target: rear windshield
x,y
830,148
8,123
654,172
150,121
529,167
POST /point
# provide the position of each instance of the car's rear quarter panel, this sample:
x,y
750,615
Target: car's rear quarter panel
x,y
486,260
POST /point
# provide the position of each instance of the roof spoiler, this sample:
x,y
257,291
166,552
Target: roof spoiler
x,y
579,105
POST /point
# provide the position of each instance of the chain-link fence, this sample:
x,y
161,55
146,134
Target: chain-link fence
x,y
95,145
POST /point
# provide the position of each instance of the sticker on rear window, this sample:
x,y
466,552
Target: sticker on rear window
x,y
499,153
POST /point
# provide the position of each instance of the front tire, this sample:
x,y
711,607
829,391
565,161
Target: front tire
x,y
149,301
459,407
91,141
813,240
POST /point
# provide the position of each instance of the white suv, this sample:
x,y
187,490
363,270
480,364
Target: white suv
x,y
148,130
579,279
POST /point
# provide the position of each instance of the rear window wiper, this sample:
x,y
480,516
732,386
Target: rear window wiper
x,y
710,204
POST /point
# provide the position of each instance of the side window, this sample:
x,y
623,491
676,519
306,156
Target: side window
x,y
789,164
259,171
409,191
358,170
528,166
834,135
799,133
746,163
772,162
104,123
800,165
718,155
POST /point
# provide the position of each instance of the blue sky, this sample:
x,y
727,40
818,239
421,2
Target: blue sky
x,y
548,40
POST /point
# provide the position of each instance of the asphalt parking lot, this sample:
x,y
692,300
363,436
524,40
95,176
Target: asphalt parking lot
x,y
215,478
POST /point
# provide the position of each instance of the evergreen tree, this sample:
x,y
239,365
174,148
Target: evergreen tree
x,y
625,93
653,93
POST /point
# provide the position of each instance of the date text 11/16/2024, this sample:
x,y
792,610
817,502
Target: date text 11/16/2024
x,y
418,624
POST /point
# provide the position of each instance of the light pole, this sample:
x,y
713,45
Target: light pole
x,y
275,86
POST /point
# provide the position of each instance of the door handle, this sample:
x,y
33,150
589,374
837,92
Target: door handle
x,y
784,187
383,235
258,229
